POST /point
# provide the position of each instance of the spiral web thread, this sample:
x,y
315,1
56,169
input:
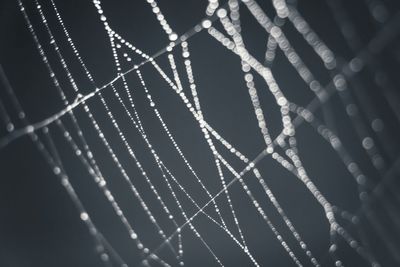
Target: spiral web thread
x,y
283,148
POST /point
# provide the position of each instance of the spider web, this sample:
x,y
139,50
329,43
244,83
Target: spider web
x,y
175,211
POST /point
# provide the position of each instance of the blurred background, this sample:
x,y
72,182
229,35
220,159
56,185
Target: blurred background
x,y
40,225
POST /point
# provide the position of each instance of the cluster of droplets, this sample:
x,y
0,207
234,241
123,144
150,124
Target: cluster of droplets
x,y
179,90
171,189
230,21
107,192
203,124
187,63
223,226
211,7
101,181
292,152
380,80
172,36
340,84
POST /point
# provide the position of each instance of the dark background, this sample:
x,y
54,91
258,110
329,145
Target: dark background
x,y
39,225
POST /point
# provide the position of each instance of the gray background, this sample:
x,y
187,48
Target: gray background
x,y
39,226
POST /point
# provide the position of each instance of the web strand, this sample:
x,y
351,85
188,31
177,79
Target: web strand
x,y
167,186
